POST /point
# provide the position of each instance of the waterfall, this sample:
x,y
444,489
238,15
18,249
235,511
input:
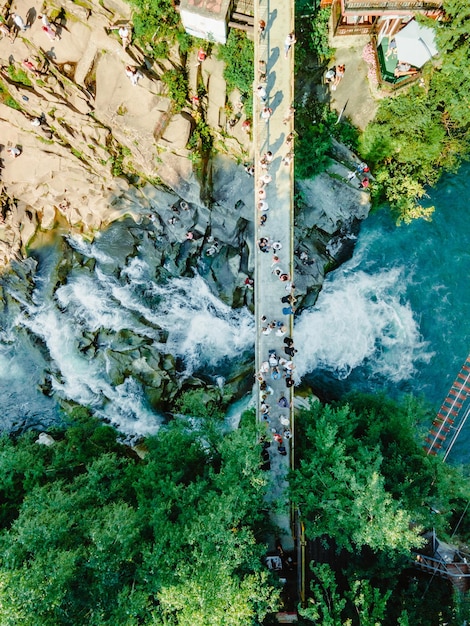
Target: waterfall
x,y
361,319
71,336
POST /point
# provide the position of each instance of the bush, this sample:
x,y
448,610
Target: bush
x,y
314,124
319,35
238,54
200,403
156,25
177,83
201,140
18,75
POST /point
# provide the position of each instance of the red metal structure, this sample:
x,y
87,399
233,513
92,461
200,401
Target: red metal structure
x,y
452,415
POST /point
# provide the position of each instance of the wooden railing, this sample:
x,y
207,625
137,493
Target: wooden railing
x,y
352,6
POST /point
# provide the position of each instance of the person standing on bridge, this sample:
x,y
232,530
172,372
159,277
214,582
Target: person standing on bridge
x,y
266,114
262,71
288,43
264,245
289,114
287,160
261,93
283,402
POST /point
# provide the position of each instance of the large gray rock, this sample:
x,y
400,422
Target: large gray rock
x,y
331,202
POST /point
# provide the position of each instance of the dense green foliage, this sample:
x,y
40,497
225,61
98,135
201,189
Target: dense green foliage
x,y
91,534
238,55
354,481
201,403
328,605
365,489
319,35
313,142
421,133
315,123
312,32
177,82
315,126
157,25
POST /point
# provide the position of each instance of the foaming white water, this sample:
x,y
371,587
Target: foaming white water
x,y
137,271
89,249
85,380
361,319
90,301
75,376
202,329
81,328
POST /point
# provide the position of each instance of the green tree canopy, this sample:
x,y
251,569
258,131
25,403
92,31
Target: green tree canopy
x,y
424,131
99,536
238,54
364,486
364,480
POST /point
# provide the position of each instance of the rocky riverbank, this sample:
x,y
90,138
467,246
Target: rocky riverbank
x,y
96,150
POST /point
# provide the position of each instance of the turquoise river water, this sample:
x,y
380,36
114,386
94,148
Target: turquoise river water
x,y
396,317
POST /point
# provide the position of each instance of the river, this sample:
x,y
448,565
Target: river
x,y
99,336
395,318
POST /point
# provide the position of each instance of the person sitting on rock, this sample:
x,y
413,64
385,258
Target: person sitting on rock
x,y
14,151
133,74
5,31
201,56
50,31
30,66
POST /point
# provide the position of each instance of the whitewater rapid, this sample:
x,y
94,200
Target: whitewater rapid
x,y
46,342
361,319
368,325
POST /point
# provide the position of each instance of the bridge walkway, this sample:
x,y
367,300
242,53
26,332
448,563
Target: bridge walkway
x,y
274,72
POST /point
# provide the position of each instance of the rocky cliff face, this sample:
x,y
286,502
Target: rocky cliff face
x,y
96,125
95,148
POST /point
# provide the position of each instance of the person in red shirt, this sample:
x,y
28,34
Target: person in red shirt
x,y
201,56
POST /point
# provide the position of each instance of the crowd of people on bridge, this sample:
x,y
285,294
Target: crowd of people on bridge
x,y
276,372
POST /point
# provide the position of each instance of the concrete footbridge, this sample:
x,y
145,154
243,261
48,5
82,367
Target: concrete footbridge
x,y
273,125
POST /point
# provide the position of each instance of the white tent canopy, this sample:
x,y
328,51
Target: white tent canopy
x,y
416,44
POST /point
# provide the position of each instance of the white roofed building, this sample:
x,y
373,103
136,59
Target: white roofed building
x,y
206,19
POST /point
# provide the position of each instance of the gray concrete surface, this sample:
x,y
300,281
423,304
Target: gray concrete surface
x,y
271,136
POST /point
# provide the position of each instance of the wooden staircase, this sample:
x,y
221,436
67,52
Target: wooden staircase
x,y
452,415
